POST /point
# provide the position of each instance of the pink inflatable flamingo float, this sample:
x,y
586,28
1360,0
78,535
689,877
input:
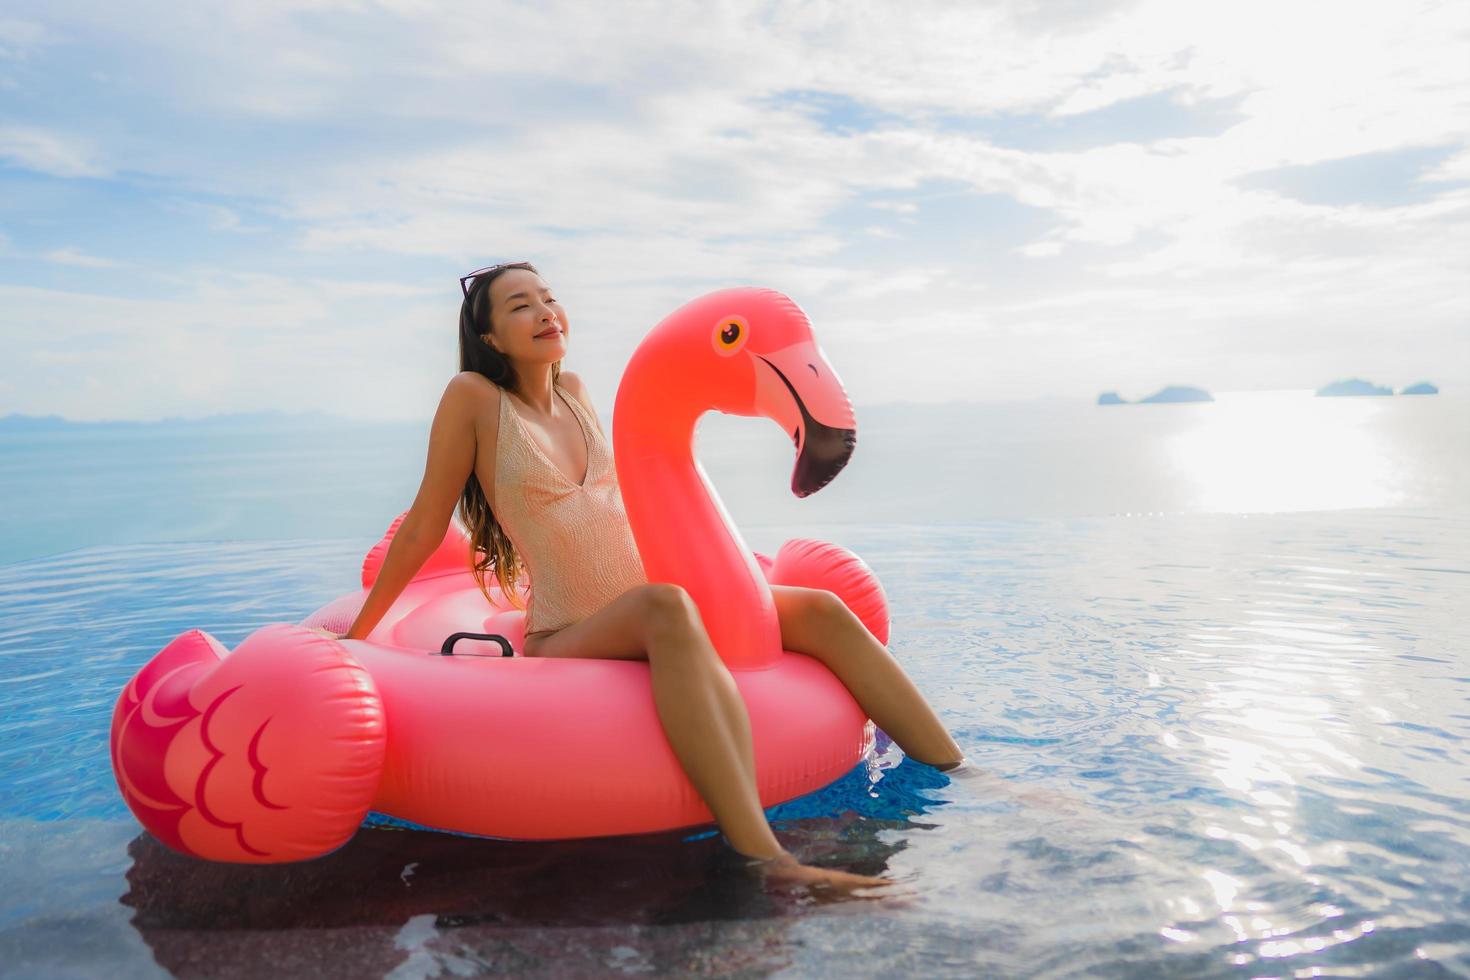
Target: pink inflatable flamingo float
x,y
277,750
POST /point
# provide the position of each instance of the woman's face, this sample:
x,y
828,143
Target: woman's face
x,y
528,324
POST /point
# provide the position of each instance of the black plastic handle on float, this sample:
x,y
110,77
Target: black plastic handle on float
x,y
448,648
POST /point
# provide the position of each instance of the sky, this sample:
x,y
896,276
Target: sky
x,y
211,208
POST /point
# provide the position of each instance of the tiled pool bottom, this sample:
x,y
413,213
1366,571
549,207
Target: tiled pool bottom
x,y
1215,746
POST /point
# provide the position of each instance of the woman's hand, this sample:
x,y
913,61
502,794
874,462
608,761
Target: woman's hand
x,y
326,632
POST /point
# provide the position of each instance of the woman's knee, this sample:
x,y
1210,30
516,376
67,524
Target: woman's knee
x,y
822,607
668,608
809,617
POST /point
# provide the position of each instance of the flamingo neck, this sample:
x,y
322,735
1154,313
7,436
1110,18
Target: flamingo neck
x,y
684,534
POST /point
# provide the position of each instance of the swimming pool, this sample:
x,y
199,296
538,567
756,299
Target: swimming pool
x,y
1213,745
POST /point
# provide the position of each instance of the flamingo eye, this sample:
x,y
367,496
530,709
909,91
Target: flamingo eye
x,y
730,334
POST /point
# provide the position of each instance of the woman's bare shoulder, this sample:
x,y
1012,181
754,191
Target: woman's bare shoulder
x,y
473,391
577,388
475,400
473,384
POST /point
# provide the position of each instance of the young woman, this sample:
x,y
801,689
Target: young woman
x,y
517,445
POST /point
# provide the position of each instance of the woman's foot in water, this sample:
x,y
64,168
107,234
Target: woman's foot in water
x,y
1004,788
964,769
784,867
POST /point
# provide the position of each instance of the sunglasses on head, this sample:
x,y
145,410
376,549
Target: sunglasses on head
x,y
464,281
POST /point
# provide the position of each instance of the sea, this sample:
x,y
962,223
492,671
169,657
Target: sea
x,y
1210,662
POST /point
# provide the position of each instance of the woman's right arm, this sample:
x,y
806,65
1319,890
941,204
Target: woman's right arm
x,y
451,461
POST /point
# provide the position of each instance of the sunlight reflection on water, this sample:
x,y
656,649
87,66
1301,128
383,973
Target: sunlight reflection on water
x,y
1269,451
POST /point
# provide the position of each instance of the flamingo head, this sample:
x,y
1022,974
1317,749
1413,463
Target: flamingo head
x,y
758,357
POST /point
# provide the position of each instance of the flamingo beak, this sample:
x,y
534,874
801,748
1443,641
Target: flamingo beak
x,y
800,391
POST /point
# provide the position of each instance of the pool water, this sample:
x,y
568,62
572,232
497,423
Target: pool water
x,y
1208,744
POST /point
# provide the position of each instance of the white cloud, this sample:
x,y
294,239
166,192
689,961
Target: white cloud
x,y
1454,168
217,217
17,37
49,153
233,342
1041,249
643,153
72,256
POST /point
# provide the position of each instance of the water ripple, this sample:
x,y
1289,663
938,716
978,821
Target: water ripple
x,y
1208,743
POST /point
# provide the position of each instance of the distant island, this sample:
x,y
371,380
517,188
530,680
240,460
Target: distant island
x,y
15,422
1164,396
1177,393
1352,387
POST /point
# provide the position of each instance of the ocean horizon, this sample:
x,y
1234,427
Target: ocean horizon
x,y
313,476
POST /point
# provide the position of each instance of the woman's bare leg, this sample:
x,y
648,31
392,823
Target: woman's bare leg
x,y
701,711
817,623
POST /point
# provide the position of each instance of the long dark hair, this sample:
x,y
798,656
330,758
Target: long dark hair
x,y
493,549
